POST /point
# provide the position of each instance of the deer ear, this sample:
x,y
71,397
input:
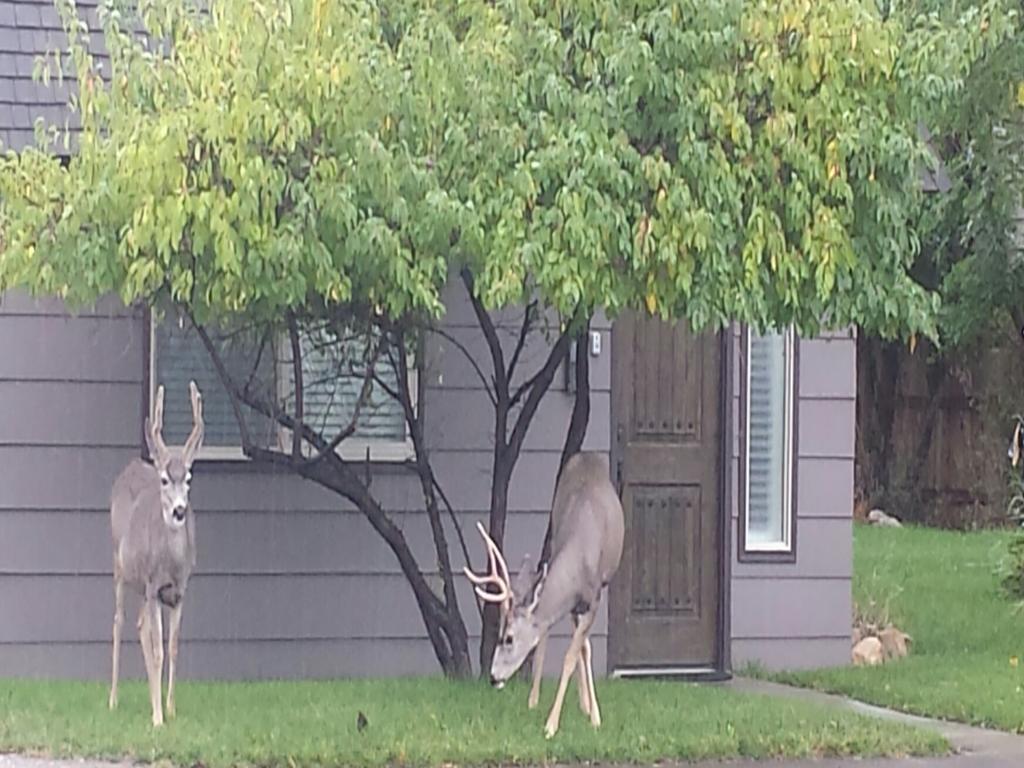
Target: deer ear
x,y
537,587
523,582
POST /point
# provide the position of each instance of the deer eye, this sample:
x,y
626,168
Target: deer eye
x,y
507,640
165,480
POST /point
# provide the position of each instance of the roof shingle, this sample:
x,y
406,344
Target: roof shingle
x,y
29,29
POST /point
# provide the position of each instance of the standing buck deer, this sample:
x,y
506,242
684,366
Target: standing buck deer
x,y
586,546
154,546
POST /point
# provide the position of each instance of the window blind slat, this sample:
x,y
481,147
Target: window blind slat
x,y
332,374
767,415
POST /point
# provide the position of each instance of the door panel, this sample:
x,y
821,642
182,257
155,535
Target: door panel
x,y
663,605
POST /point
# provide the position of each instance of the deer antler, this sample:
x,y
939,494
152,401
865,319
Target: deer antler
x,y
498,575
1015,449
195,439
155,426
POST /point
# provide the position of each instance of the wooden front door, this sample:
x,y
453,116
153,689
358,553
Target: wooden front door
x,y
664,601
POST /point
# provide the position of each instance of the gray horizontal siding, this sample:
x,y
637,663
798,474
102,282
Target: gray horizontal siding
x,y
51,413
824,487
291,580
447,359
785,653
803,608
87,348
246,542
21,303
466,419
459,311
248,659
61,477
798,614
226,608
827,428
828,553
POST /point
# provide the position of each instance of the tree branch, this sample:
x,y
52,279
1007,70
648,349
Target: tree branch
x,y
293,335
539,386
577,424
222,373
259,358
364,394
491,336
456,524
425,472
524,330
469,357
336,475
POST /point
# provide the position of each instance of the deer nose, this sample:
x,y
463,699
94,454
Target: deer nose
x,y
496,683
178,512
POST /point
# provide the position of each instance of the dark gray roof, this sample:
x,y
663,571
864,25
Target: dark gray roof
x,y
29,29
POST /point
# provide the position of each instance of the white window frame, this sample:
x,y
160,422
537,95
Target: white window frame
x,y
785,546
381,450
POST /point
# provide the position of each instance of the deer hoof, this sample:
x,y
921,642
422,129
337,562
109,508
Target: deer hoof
x,y
170,709
112,703
550,729
532,702
158,720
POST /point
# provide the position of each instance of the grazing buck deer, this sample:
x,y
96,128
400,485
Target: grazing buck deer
x,y
154,546
586,546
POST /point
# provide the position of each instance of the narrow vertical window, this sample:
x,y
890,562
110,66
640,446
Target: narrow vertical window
x,y
768,444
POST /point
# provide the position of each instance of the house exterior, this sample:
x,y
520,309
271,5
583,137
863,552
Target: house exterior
x,y
734,455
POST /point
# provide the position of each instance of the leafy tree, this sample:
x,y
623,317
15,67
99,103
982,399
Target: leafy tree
x,y
300,167
969,232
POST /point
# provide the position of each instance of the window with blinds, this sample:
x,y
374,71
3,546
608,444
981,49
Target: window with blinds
x,y
333,375
768,454
178,355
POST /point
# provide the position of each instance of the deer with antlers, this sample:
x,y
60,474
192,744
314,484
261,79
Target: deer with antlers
x,y
154,546
586,546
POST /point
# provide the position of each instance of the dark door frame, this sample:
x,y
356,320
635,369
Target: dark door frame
x,y
722,668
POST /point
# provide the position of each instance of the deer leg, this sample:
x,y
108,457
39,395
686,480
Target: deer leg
x,y
145,642
568,665
582,682
151,637
172,655
594,711
118,624
538,671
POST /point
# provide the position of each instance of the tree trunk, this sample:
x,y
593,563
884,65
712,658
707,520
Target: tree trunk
x,y
878,374
502,475
911,480
441,618
578,422
447,637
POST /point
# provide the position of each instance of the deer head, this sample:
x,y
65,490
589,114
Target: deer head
x,y
174,465
519,630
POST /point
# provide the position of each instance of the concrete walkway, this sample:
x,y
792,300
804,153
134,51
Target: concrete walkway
x,y
974,747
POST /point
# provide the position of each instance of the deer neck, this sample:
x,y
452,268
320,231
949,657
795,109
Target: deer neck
x,y
559,595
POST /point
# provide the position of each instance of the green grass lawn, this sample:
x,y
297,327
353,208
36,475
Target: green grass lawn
x,y
431,723
942,588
